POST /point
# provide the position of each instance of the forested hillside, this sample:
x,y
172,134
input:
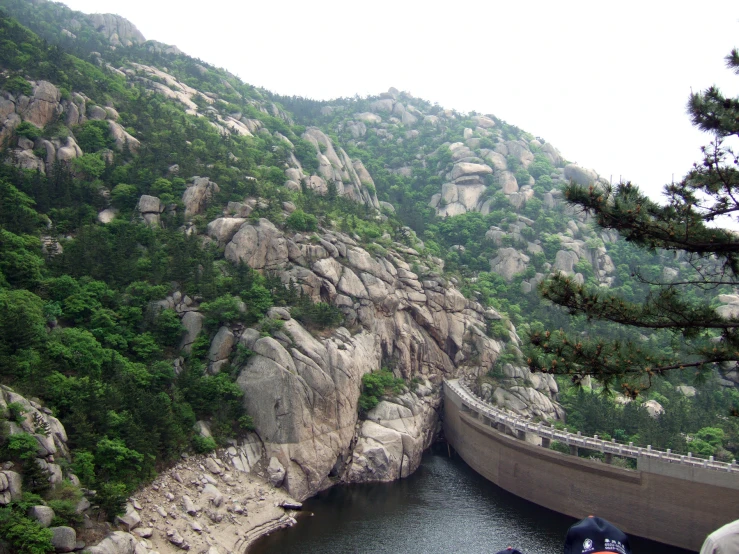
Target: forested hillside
x,y
157,214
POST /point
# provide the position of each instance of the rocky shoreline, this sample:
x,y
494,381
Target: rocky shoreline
x,y
207,504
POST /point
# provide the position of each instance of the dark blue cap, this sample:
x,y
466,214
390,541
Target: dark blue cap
x,y
594,535
510,550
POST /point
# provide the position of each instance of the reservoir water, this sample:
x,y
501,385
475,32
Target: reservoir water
x,y
444,507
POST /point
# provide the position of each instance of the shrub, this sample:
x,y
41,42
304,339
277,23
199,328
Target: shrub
x,y
306,153
124,197
25,536
28,130
301,221
269,327
22,447
378,384
246,423
701,448
15,412
93,136
168,328
258,300
112,497
222,310
90,165
203,445
559,447
116,461
712,435
18,85
316,314
65,513
161,186
497,329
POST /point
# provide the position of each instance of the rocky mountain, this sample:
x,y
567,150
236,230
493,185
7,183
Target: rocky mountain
x,y
246,263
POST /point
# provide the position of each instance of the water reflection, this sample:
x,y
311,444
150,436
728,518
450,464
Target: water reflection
x,y
445,507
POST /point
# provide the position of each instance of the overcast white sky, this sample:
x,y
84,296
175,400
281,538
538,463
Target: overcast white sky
x,y
606,83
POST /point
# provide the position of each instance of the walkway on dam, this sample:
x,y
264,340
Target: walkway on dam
x,y
671,498
520,426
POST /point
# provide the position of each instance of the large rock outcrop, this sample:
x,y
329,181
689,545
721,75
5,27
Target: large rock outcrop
x,y
335,166
116,29
27,416
197,195
303,390
392,439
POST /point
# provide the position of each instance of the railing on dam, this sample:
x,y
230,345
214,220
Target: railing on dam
x,y
494,416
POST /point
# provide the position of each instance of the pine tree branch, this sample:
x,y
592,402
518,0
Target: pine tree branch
x,y
664,310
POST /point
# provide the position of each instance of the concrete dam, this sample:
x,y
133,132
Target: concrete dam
x,y
673,499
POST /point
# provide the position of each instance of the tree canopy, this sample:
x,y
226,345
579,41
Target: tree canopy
x,y
687,224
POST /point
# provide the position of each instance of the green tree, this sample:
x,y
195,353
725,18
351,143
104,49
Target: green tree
x,y
93,135
89,165
124,197
301,221
703,336
24,535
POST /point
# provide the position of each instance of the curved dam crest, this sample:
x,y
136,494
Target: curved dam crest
x,y
674,503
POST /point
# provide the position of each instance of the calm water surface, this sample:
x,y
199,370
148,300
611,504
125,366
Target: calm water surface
x,y
445,507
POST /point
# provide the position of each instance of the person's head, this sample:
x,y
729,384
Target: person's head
x,y
510,550
594,535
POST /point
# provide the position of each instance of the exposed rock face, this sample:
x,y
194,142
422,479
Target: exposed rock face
x,y
198,193
43,106
335,166
260,246
394,436
193,324
122,138
42,514
220,349
368,117
565,261
276,472
524,393
654,408
509,262
303,391
466,169
507,182
483,121
118,31
150,208
26,159
118,542
304,402
64,539
580,175
730,306
49,434
553,154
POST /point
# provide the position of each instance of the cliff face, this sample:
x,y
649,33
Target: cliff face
x,y
303,390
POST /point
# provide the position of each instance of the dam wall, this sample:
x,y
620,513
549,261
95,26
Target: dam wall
x,y
662,500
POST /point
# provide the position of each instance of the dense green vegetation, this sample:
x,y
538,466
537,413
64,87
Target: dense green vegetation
x,y
687,424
